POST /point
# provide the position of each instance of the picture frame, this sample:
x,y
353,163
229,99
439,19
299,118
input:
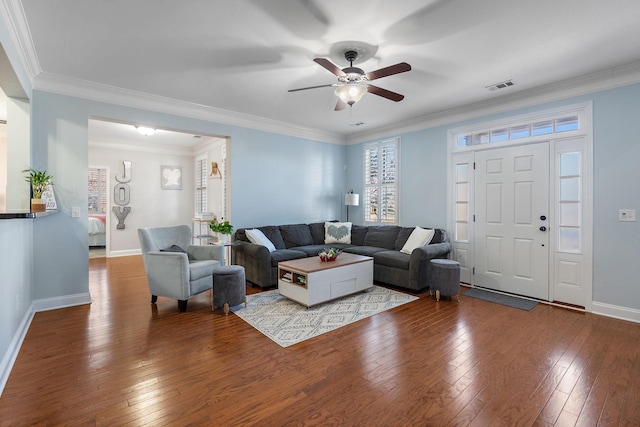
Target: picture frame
x,y
49,198
171,177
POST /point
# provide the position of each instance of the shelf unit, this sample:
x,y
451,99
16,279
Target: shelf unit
x,y
200,232
289,276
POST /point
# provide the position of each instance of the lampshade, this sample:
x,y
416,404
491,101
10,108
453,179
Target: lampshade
x,y
351,199
351,93
145,130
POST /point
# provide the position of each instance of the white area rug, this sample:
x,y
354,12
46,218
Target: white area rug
x,y
287,322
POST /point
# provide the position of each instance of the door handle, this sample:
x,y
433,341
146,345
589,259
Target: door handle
x,y
543,228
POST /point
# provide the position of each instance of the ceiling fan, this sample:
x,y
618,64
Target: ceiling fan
x,y
353,82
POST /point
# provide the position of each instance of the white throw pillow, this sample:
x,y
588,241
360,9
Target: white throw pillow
x,y
419,237
256,236
337,232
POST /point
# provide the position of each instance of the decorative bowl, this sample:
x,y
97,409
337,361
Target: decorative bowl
x,y
329,254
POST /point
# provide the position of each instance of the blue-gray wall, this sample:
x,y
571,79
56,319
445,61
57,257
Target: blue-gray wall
x,y
283,179
616,152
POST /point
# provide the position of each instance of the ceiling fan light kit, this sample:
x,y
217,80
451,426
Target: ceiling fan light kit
x,y
353,82
351,93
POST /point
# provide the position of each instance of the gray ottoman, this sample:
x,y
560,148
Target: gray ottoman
x,y
446,278
229,287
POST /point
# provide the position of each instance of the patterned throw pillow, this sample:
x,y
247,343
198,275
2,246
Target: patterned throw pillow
x,y
337,232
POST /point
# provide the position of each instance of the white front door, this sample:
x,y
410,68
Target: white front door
x,y
511,220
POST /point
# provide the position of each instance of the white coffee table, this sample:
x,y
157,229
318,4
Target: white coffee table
x,y
309,281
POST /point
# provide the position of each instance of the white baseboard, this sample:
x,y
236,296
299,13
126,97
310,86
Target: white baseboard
x,y
127,252
47,304
14,348
616,311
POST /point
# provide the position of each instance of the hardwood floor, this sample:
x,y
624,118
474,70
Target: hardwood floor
x,y
123,361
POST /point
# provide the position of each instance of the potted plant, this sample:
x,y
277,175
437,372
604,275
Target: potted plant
x,y
39,181
222,230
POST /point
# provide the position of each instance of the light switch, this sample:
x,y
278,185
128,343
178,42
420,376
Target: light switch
x,y
626,215
75,212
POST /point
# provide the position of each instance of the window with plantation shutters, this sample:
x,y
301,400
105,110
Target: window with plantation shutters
x,y
97,180
201,185
380,199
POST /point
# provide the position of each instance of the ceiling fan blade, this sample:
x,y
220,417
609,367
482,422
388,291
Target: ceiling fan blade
x,y
333,68
310,87
401,67
340,105
385,93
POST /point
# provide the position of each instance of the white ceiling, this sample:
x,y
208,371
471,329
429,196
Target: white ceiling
x,y
244,55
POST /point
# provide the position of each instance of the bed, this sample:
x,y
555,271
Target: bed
x,y
97,230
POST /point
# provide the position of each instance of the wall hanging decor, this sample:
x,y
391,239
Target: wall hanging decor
x,y
171,177
121,194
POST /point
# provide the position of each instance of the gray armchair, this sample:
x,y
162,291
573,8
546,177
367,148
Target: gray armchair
x,y
174,267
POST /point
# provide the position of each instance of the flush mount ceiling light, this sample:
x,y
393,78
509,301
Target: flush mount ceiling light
x,y
146,131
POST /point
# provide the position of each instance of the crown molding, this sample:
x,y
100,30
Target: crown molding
x,y
12,14
129,98
143,148
609,79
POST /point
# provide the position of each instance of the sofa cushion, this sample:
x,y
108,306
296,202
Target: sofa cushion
x,y
317,232
313,250
241,235
272,232
382,236
257,237
358,232
393,259
363,250
337,232
296,235
419,237
280,255
404,233
403,236
440,236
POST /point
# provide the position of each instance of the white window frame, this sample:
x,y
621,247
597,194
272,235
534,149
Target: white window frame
x,y
200,185
380,186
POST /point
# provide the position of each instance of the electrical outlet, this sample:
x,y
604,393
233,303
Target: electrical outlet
x,y
75,212
626,215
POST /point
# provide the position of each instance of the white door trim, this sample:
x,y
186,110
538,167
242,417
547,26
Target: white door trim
x,y
463,250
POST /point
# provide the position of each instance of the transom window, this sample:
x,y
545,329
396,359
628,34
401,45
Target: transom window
x,y
380,201
519,130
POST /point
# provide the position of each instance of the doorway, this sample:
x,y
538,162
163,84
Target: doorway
x,y
520,204
97,184
512,204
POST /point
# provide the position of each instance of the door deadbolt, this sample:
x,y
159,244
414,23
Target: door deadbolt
x,y
542,217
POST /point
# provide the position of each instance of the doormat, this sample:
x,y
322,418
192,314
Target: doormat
x,y
287,323
508,300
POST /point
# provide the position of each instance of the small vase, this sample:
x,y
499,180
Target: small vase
x,y
38,205
223,239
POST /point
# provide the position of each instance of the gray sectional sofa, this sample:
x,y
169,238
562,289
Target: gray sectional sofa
x,y
382,242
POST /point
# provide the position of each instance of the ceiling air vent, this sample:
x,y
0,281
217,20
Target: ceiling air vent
x,y
501,85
